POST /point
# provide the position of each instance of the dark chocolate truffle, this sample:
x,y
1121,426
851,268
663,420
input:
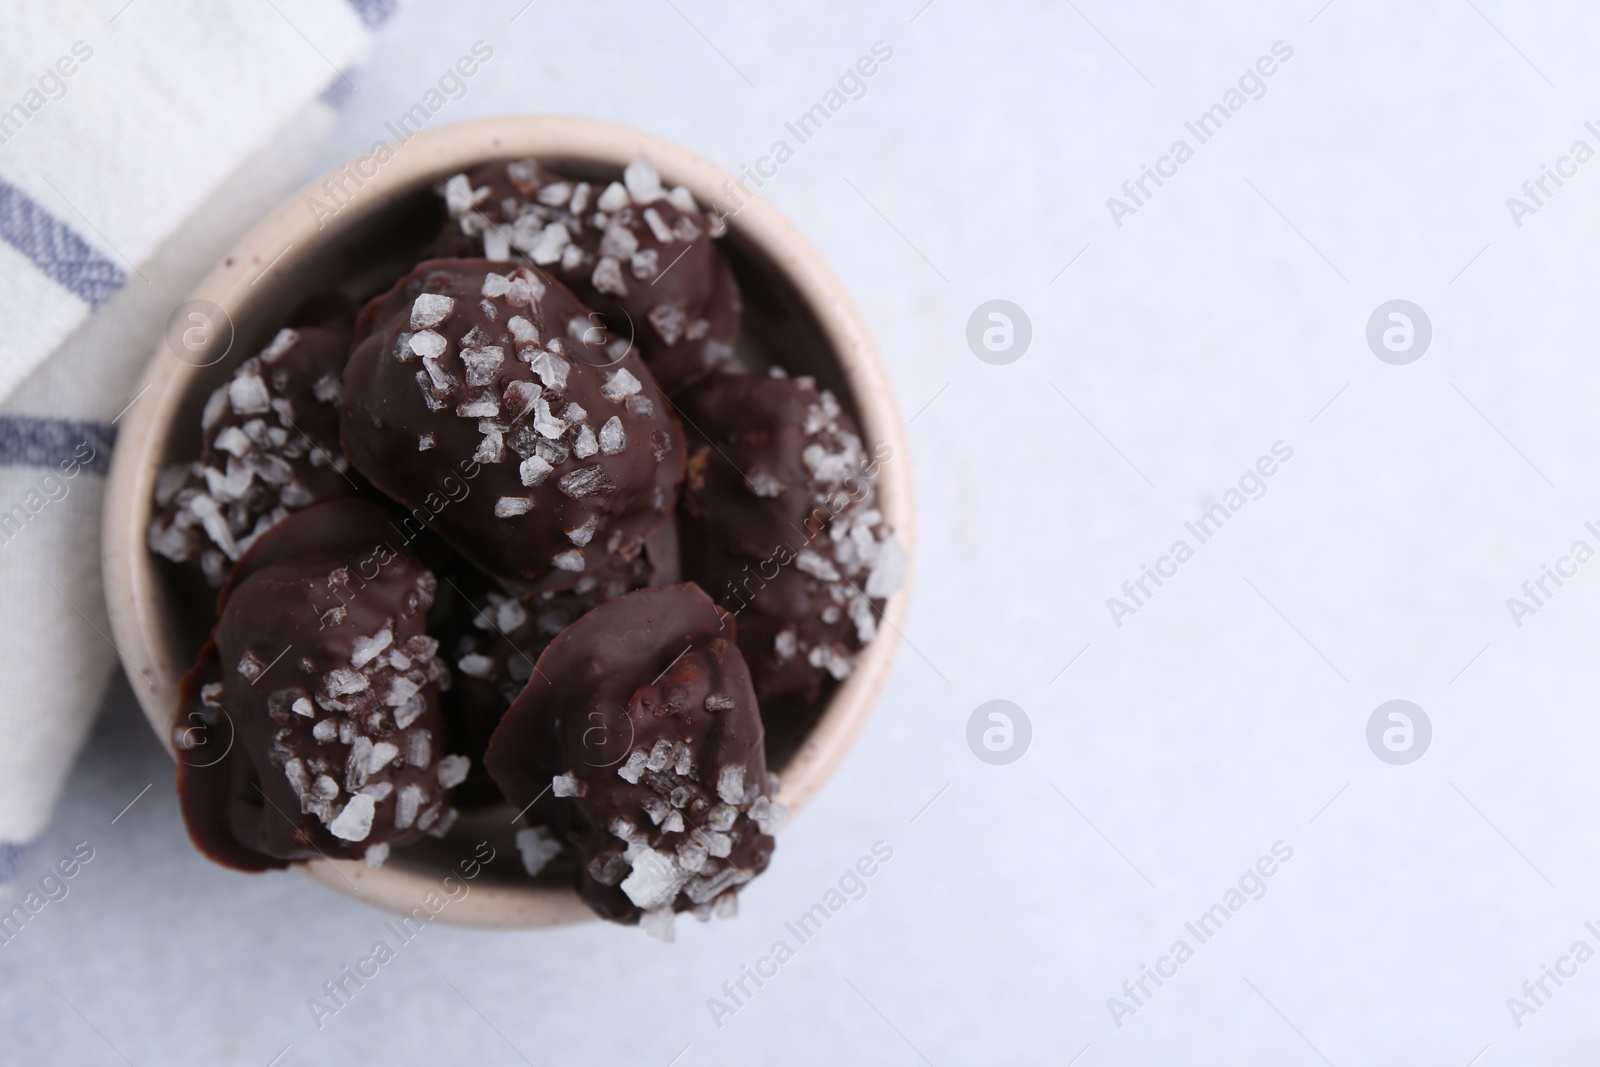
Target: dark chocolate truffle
x,y
311,724
640,720
641,255
781,526
465,399
271,445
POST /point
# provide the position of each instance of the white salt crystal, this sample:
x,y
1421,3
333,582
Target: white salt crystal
x,y
619,385
233,440
654,881
419,746
248,395
630,771
430,309
607,277
522,331
730,783
406,805
383,753
367,648
585,444
481,363
662,231
551,369
643,181
282,341
582,535
508,507
354,823
538,846
552,241
810,562
428,343
533,470
658,924
613,438
615,198
453,770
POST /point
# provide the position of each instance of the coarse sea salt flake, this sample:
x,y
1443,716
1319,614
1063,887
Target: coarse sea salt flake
x,y
582,535
533,470
354,823
654,881
643,181
233,440
613,438
406,806
619,385
658,227
430,309
585,444
383,753
453,770
730,783
367,648
615,198
630,771
282,341
538,845
428,343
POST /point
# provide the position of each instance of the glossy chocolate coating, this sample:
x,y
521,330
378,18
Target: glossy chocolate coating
x,y
271,444
641,255
641,722
469,398
311,724
780,524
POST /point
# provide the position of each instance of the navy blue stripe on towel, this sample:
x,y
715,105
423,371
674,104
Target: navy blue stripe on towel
x,y
30,442
12,858
375,12
59,253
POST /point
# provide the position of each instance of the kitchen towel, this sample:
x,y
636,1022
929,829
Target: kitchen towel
x,y
138,140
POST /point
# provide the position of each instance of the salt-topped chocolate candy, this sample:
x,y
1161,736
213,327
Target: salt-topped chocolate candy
x,y
492,637
641,723
311,725
639,253
781,526
271,444
466,399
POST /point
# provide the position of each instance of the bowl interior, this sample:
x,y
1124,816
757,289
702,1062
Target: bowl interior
x,y
367,247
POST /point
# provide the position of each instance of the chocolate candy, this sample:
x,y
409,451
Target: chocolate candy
x,y
781,526
311,724
271,445
641,723
470,398
639,254
492,638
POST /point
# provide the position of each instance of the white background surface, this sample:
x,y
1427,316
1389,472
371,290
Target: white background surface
x,y
1223,717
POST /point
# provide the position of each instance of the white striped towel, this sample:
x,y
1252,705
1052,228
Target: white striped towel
x,y
138,139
